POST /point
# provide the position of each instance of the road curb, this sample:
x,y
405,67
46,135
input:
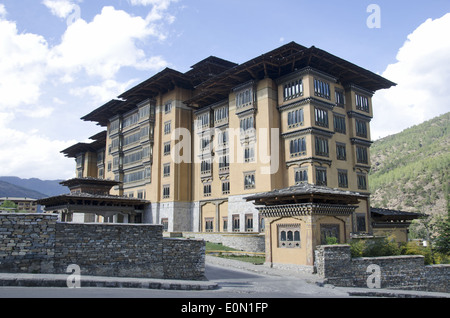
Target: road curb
x,y
49,280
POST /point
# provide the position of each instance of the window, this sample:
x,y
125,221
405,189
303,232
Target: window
x,y
362,103
166,170
166,191
341,153
207,189
131,139
249,222
224,163
141,194
167,148
301,175
209,224
135,176
289,236
360,222
132,157
295,118
203,120
221,114
247,123
226,187
342,179
249,180
244,98
293,89
205,167
361,128
321,89
144,112
321,117
249,154
222,138
321,176
297,147
204,143
340,97
165,224
328,230
322,146
114,127
130,120
167,127
361,155
339,124
236,223
167,107
225,224
362,184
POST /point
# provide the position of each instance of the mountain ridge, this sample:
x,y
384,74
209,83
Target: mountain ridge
x,y
410,169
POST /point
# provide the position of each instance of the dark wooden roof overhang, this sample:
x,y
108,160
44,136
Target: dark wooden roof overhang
x,y
306,193
281,61
388,215
89,203
89,181
82,147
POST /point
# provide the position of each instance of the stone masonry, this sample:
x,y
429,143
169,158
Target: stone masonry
x,y
37,243
334,263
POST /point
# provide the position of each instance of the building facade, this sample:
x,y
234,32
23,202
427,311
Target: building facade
x,y
196,144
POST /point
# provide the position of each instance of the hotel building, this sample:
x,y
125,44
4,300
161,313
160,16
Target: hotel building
x,y
194,145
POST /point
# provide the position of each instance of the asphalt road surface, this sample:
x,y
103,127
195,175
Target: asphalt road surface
x,y
233,283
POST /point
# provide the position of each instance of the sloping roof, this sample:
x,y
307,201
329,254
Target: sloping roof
x,y
73,197
83,147
89,181
212,78
389,214
284,60
305,191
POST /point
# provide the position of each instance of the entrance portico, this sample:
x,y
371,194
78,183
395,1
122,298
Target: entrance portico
x,y
301,217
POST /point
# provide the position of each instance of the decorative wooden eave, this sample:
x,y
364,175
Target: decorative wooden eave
x,y
285,60
306,193
299,209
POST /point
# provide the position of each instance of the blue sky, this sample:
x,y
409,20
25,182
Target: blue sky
x,y
61,59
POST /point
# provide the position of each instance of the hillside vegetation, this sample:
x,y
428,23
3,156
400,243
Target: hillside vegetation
x,y
410,170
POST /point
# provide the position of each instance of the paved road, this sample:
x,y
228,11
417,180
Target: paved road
x,y
233,283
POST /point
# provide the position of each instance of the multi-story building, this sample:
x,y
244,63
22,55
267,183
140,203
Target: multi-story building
x,y
22,204
195,144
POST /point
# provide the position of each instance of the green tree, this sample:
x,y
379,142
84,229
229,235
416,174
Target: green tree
x,y
8,205
442,235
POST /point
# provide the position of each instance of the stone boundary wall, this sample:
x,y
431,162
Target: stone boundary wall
x,y
335,264
37,243
249,242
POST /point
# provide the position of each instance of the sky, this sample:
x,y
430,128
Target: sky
x,y
61,59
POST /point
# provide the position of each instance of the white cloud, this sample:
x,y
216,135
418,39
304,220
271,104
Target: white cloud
x,y
104,46
28,154
2,11
22,65
103,92
422,74
60,8
88,58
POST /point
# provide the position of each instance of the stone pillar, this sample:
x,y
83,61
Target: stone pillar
x,y
310,239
